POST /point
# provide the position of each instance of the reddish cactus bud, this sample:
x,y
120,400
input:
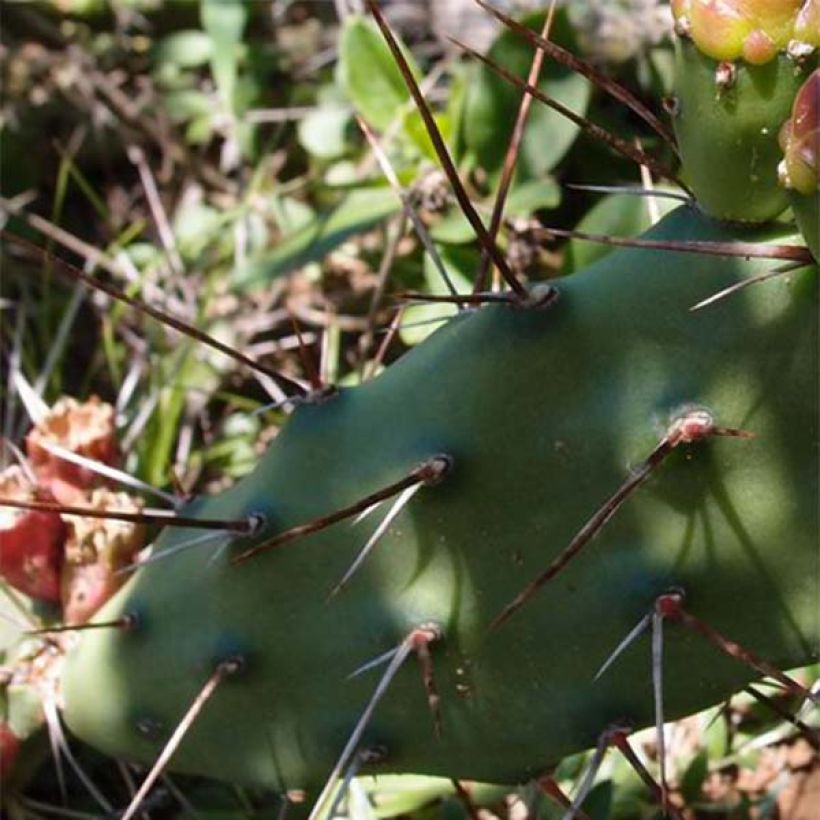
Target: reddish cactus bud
x,y
800,138
31,543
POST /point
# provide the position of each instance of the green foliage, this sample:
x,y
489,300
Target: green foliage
x,y
492,103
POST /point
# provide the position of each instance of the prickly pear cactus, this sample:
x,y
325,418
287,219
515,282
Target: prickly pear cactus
x,y
540,412
739,65
581,507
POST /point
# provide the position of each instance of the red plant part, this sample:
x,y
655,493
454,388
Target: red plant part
x,y
9,748
800,139
96,548
31,542
86,430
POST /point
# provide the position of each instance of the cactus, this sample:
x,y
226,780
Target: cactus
x,y
534,450
739,66
559,463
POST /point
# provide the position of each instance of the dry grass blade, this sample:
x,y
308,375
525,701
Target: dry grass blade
x,y
623,147
107,471
585,69
810,733
488,246
393,180
513,150
76,274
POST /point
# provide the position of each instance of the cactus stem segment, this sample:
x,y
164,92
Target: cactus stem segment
x,y
428,472
513,150
690,426
670,606
227,667
585,69
126,623
77,275
148,516
619,145
488,245
745,250
548,786
417,638
809,733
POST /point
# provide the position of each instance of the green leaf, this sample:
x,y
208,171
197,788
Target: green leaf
x,y
368,72
224,21
532,196
614,215
419,321
188,104
187,49
524,200
359,211
692,781
324,132
492,105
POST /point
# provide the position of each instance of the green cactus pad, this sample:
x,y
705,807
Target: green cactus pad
x,y
727,123
543,412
